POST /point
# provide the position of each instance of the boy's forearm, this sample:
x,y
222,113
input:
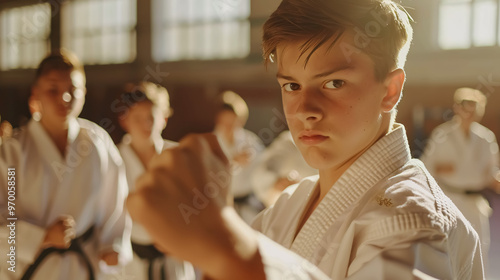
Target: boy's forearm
x,y
244,269
227,249
231,265
241,258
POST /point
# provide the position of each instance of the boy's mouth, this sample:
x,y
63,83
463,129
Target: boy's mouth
x,y
312,137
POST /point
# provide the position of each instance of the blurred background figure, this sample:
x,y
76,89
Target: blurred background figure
x,y
144,120
281,165
463,157
243,148
71,222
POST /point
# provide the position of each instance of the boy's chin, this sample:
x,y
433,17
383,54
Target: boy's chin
x,y
317,161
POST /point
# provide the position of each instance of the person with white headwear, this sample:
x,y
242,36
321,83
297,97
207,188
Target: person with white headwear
x,y
463,157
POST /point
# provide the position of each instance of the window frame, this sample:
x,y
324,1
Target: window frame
x,y
97,33
471,10
161,25
44,38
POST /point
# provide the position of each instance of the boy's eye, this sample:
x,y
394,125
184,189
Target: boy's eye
x,y
291,87
335,84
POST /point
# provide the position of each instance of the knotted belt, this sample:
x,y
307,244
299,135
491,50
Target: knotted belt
x,y
150,253
76,247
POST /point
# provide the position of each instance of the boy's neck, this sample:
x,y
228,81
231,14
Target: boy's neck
x,y
142,144
465,127
328,177
145,149
58,134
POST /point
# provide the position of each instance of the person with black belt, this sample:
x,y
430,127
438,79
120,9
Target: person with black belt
x,y
68,214
146,115
243,148
463,157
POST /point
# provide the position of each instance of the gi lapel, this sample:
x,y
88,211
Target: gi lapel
x,y
384,157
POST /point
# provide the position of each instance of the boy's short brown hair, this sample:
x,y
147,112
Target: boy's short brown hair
x,y
59,60
149,92
382,28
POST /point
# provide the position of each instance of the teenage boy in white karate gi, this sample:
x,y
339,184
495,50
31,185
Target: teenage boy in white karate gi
x,y
372,213
70,185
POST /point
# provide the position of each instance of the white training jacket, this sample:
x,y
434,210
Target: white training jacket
x,y
385,218
88,184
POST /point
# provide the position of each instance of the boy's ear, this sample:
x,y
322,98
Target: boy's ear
x,y
34,90
123,121
394,86
33,101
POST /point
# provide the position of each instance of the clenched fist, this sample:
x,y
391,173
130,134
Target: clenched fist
x,y
60,233
184,202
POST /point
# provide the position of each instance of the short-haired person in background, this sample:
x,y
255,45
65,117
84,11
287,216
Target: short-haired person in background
x,y
243,149
144,119
70,184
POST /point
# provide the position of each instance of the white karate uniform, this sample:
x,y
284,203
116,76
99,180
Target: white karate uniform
x,y
385,218
279,160
475,160
138,268
88,184
241,175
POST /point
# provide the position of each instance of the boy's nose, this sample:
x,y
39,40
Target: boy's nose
x,y
309,109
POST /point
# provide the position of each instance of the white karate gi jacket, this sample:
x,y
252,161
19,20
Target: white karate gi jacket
x,y
138,268
475,160
88,184
385,218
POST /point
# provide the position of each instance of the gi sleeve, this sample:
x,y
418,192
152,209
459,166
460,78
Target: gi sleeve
x,y
418,254
24,237
280,263
494,158
114,224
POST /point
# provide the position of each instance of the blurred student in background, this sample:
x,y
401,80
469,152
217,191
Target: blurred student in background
x,y
243,149
463,157
144,120
281,165
70,184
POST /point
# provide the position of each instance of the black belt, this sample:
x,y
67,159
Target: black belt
x,y
150,253
474,192
76,247
242,199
